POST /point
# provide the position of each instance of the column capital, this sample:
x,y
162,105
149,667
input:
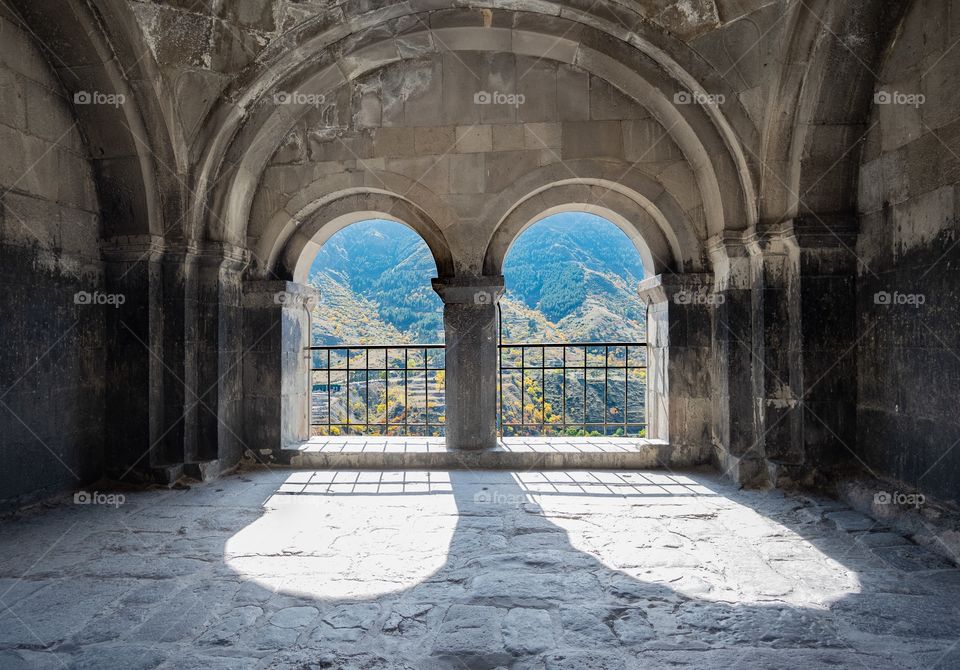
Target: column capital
x,y
223,255
777,239
476,290
220,255
730,245
664,288
268,292
733,254
132,248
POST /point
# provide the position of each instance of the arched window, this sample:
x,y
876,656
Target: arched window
x,y
377,333
573,358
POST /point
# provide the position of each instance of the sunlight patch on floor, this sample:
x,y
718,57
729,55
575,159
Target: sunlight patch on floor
x,y
348,535
675,531
363,534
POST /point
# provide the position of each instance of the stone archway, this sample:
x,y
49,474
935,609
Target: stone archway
x,y
297,231
680,411
651,218
578,269
717,147
278,301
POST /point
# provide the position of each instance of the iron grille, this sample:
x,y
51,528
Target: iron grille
x,y
587,388
377,389
584,388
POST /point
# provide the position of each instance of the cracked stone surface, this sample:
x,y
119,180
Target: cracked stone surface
x,y
538,571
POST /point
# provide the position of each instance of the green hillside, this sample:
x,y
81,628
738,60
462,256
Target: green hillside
x,y
570,278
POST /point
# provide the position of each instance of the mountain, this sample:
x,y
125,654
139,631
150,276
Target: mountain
x,y
374,282
579,273
571,277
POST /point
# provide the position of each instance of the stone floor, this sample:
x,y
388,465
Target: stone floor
x,y
421,570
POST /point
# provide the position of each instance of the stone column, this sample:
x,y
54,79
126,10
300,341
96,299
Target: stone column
x,y
215,351
738,343
470,326
781,391
679,389
178,383
276,365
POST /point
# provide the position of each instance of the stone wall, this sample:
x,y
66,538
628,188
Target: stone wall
x,y
52,391
908,310
466,128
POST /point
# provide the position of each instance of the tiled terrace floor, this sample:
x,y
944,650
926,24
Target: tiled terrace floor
x,y
419,570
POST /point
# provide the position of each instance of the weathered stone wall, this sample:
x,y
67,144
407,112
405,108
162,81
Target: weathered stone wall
x,y
908,310
52,391
465,128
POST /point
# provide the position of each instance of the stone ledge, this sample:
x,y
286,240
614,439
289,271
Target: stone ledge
x,y
510,454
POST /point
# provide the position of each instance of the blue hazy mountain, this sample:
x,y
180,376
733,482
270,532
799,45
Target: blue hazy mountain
x,y
570,277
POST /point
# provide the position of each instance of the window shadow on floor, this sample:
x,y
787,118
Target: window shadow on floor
x,y
421,570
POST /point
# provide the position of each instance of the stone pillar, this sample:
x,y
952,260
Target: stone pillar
x,y
215,350
470,326
679,387
781,391
176,336
276,365
737,343
179,416
201,356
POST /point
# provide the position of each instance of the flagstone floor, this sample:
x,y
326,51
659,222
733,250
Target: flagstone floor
x,y
420,570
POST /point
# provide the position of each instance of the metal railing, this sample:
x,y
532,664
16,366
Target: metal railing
x,y
377,389
588,388
582,388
